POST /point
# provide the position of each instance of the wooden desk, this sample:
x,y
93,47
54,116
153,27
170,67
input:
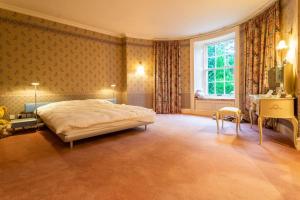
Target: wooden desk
x,y
273,107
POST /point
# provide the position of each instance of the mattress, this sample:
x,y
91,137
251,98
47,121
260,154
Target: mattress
x,y
100,129
74,119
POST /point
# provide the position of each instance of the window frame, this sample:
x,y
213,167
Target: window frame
x,y
196,79
206,69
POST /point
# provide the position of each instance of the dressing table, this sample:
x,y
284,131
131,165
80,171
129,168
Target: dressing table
x,y
274,107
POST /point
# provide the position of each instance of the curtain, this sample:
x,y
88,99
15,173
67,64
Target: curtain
x,y
167,98
259,37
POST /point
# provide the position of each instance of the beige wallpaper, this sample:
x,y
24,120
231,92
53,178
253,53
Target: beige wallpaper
x,y
185,73
139,88
69,63
73,63
289,32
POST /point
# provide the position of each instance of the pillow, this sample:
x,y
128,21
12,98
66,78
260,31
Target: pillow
x,y
103,101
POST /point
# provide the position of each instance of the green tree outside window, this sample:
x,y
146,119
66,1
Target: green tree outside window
x,y
220,68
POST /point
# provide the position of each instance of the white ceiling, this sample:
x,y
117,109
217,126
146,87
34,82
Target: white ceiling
x,y
151,19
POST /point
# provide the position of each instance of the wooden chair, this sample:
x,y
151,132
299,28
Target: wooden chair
x,y
225,111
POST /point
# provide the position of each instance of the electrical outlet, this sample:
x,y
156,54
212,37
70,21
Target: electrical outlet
x,y
11,117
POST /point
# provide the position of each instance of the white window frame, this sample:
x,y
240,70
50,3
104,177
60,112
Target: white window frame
x,y
197,83
206,69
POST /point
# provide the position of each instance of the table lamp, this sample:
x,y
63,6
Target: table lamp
x,y
113,86
35,84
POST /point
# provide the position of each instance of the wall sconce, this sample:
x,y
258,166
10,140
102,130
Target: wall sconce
x,y
291,53
140,70
281,47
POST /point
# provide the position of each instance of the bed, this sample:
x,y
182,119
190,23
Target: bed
x,y
78,119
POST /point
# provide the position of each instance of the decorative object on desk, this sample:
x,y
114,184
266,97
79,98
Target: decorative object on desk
x,y
113,86
199,94
279,93
289,96
35,84
4,124
269,93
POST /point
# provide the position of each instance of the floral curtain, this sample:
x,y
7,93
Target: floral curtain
x,y
259,37
167,77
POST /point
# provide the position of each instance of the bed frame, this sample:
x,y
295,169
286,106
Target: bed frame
x,y
72,139
30,107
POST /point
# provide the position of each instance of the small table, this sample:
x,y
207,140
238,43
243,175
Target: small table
x,y
274,107
22,123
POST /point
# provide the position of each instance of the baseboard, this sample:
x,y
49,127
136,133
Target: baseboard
x,y
186,111
198,112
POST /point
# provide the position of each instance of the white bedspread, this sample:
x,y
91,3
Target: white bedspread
x,y
65,115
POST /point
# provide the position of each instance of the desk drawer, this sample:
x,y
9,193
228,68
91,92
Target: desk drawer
x,y
277,108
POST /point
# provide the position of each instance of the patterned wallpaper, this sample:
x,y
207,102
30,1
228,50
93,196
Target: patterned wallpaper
x,y
139,88
68,62
73,63
185,73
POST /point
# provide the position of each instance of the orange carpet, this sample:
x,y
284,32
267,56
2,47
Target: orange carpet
x,y
178,157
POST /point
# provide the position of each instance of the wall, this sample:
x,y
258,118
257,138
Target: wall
x,y
185,73
69,63
289,33
139,88
73,63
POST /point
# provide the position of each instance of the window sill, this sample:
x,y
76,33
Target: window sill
x,y
216,98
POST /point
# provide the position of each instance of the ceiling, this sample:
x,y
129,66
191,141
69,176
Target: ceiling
x,y
150,19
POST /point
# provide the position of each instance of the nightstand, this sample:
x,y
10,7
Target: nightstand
x,y
23,123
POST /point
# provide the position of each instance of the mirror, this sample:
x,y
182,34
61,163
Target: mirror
x,y
275,77
282,76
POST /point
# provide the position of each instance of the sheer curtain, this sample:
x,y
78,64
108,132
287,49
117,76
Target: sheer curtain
x,y
167,97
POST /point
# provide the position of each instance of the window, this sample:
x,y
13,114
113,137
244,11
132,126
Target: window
x,y
219,68
214,65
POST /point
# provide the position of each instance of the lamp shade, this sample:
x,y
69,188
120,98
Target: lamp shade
x,y
281,45
140,70
35,84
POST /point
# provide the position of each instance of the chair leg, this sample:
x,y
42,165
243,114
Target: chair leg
x,y
260,122
237,123
240,118
71,144
250,115
222,117
217,120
